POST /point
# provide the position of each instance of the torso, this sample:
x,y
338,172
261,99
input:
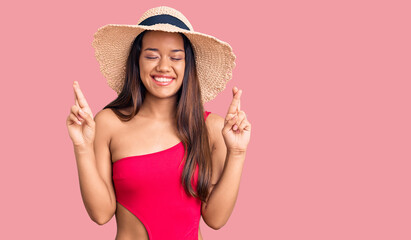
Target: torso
x,y
137,137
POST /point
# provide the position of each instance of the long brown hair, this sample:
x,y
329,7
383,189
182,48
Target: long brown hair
x,y
189,115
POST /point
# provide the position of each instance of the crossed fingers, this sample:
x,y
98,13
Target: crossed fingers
x,y
241,121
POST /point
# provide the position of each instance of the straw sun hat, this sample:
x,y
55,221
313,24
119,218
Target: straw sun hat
x,y
215,59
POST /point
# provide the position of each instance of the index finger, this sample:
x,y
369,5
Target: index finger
x,y
235,103
75,97
80,99
239,101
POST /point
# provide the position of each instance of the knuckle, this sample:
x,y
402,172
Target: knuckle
x,y
229,117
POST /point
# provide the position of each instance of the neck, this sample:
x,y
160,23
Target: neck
x,y
158,108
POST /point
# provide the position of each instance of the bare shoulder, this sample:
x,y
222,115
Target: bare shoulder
x,y
103,114
105,117
105,121
215,124
103,132
215,118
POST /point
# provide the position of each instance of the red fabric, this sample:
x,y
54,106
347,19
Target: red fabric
x,y
149,187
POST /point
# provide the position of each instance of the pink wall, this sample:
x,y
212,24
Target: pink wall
x,y
326,87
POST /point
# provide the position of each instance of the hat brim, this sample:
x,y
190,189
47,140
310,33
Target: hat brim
x,y
215,59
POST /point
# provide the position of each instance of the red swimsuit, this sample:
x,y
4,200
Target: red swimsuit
x,y
149,187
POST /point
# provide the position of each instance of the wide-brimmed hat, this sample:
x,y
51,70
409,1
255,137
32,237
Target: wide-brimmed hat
x,y
215,59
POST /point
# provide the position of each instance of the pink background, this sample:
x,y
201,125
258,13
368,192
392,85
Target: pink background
x,y
326,86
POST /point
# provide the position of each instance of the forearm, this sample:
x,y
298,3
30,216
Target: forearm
x,y
223,197
94,192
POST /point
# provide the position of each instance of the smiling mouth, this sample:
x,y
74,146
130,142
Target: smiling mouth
x,y
162,79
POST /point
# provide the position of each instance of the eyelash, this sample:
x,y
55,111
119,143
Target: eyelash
x,y
171,58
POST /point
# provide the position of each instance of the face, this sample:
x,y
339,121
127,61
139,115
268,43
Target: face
x,y
162,63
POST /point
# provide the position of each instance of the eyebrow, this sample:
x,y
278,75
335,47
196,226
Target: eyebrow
x,y
155,49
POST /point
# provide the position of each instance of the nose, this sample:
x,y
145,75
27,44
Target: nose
x,y
163,65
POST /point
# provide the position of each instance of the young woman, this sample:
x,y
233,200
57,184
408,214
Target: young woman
x,y
153,157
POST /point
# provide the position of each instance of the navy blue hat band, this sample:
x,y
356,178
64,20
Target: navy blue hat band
x,y
164,18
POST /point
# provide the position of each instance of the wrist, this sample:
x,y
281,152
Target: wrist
x,y
83,148
236,152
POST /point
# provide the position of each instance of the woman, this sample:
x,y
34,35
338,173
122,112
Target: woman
x,y
153,156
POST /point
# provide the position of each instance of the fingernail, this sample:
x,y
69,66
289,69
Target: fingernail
x,y
81,112
235,127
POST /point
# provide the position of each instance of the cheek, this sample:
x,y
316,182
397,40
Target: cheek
x,y
145,67
180,68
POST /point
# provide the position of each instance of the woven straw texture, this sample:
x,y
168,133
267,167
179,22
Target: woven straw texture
x,y
215,59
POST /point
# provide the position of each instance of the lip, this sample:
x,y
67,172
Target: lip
x,y
162,83
162,76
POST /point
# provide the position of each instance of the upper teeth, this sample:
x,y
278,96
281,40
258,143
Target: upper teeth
x,y
162,79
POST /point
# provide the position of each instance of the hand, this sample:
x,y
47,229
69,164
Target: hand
x,y
237,128
80,122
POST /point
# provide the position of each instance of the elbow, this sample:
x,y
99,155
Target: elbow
x,y
101,213
101,220
215,219
215,224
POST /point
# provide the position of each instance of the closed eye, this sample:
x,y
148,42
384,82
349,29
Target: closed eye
x,y
176,59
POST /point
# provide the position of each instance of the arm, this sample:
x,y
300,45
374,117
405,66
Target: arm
x,y
223,196
95,175
230,137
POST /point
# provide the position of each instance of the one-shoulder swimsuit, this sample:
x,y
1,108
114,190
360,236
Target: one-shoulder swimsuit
x,y
149,186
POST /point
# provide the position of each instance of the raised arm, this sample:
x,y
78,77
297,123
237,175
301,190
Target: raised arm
x,y
91,149
230,139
